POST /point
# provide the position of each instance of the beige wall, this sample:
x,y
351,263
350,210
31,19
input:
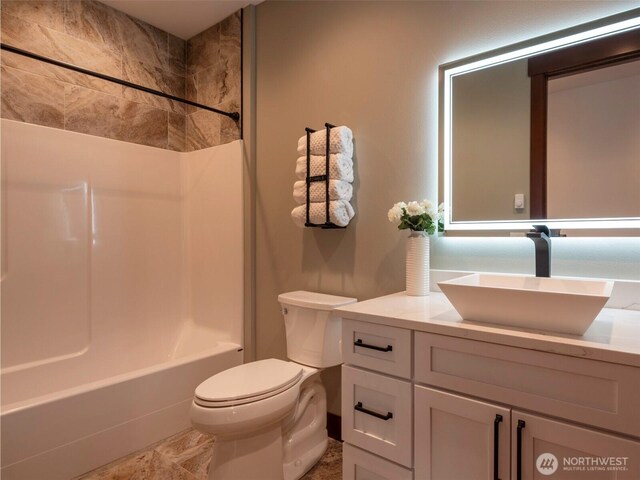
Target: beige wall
x,y
95,36
372,66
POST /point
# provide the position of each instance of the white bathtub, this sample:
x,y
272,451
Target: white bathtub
x,y
122,289
64,433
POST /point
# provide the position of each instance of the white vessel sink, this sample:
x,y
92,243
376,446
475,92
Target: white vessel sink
x,y
553,304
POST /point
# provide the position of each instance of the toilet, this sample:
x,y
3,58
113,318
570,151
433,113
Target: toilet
x,y
269,416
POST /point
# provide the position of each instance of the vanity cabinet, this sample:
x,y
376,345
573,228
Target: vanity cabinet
x,y
462,438
425,406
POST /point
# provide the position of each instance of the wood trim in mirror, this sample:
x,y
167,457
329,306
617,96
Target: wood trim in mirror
x,y
538,149
607,51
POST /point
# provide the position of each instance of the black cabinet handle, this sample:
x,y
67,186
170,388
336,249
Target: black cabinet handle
x,y
521,425
358,406
358,343
496,446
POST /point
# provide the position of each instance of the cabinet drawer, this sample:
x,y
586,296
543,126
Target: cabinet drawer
x,y
595,393
376,414
360,465
377,347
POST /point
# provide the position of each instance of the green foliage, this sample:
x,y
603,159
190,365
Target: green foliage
x,y
418,223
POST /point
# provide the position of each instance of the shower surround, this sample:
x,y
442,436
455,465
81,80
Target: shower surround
x,y
122,290
89,34
122,264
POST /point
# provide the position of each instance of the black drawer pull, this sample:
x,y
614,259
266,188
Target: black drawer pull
x,y
358,343
358,406
496,446
521,425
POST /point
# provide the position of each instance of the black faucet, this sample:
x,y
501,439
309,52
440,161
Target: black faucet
x,y
540,236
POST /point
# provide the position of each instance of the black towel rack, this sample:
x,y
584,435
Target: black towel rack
x,y
319,178
9,48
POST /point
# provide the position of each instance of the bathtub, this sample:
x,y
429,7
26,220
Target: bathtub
x,y
70,429
122,289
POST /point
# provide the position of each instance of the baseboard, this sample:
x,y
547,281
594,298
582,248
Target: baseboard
x,y
334,426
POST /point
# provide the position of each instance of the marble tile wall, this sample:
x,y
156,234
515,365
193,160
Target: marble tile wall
x,y
213,77
92,35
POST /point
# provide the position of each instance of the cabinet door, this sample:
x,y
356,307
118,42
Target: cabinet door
x,y
544,448
457,438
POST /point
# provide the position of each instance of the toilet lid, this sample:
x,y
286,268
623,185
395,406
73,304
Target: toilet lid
x,y
249,382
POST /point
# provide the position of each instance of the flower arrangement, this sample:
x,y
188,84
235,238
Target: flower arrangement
x,y
418,216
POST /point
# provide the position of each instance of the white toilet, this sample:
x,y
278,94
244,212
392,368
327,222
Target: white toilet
x,y
269,416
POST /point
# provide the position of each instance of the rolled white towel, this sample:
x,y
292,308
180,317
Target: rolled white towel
x,y
340,167
340,213
338,190
340,141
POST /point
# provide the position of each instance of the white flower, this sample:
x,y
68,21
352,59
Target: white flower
x,y
414,208
426,204
417,216
395,214
429,208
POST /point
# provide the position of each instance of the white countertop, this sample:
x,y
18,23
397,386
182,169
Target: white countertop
x,y
614,336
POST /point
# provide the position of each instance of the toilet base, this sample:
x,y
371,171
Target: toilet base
x,y
305,439
256,457
259,457
296,469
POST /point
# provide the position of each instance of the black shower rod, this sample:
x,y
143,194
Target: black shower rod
x,y
9,48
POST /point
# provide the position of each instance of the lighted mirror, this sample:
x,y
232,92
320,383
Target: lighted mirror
x,y
545,131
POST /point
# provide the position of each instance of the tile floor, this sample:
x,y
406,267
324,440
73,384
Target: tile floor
x,y
186,456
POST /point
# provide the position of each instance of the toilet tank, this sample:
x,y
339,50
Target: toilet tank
x,y
314,332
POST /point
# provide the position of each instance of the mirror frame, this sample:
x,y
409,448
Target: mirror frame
x,y
575,36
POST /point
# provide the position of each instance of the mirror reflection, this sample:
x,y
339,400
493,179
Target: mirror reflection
x,y
593,143
553,135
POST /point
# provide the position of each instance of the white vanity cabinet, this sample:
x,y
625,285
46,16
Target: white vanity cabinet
x,y
462,438
419,404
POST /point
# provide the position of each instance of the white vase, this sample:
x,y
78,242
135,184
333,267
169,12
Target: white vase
x,y
418,264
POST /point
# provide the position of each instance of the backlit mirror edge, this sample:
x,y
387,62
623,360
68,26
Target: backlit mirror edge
x,y
574,35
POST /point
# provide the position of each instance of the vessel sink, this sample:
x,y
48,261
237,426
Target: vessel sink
x,y
553,304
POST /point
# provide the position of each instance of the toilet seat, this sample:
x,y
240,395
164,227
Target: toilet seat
x,y
248,383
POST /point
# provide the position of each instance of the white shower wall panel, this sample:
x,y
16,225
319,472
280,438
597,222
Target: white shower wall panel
x,y
50,313
115,256
212,189
94,247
